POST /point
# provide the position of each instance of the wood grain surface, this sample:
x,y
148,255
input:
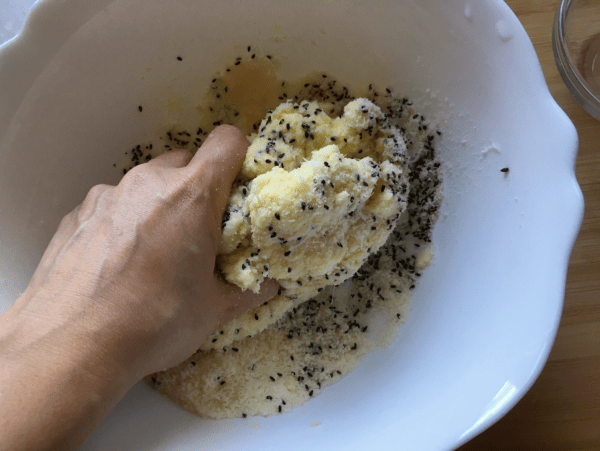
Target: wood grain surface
x,y
562,409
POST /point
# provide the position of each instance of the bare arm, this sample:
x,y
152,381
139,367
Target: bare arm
x,y
126,287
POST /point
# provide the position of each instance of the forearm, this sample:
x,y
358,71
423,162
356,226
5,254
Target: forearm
x,y
56,384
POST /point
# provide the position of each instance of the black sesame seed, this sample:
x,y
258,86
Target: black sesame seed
x,y
272,378
340,244
289,270
179,58
277,216
256,316
505,170
287,253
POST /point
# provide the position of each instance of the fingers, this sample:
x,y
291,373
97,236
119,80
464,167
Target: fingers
x,y
219,160
178,158
239,301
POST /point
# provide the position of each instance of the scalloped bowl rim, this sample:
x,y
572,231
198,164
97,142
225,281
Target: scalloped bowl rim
x,y
33,47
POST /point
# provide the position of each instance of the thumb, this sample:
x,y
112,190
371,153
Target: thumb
x,y
237,301
218,162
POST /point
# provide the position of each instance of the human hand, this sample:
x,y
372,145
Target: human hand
x,y
132,269
127,287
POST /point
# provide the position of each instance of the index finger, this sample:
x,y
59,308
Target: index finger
x,y
219,160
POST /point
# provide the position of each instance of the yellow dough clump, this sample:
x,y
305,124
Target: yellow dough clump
x,y
315,197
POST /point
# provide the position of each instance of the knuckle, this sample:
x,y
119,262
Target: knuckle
x,y
182,153
92,196
136,173
89,204
68,218
144,178
96,191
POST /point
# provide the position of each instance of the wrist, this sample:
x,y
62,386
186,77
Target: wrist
x,y
41,341
53,380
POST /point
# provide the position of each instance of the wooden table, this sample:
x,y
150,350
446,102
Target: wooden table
x,y
562,410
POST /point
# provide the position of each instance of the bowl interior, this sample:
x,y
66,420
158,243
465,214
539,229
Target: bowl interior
x,y
485,313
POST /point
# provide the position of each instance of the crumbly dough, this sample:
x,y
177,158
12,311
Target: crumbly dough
x,y
315,197
313,343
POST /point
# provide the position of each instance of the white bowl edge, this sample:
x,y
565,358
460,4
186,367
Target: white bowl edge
x,y
40,26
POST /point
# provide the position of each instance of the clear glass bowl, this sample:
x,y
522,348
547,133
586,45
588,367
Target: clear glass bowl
x,y
576,44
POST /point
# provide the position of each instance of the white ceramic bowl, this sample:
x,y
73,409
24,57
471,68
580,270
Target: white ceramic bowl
x,y
485,313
